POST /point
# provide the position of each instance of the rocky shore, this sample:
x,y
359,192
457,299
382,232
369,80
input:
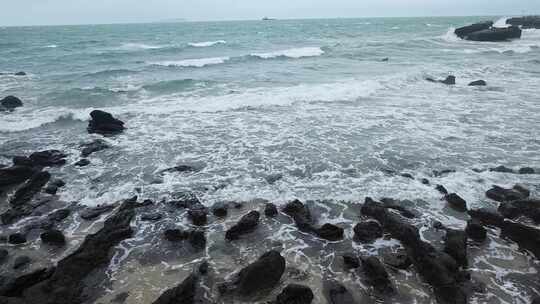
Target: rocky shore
x,y
44,261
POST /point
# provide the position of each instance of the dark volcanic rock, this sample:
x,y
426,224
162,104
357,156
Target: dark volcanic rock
x,y
175,235
300,214
496,34
15,175
295,294
462,32
501,169
59,215
367,232
487,216
16,238
450,80
180,169
104,123
14,286
53,237
525,22
198,214
350,261
263,274
92,147
478,83
526,207
3,255
220,209
455,244
399,259
525,236
93,212
437,268
330,232
407,175
48,158
501,194
66,283
475,231
82,163
270,210
441,189
456,202
185,293
335,293
26,192
377,276
21,73
21,262
246,224
526,170
425,181
398,206
10,103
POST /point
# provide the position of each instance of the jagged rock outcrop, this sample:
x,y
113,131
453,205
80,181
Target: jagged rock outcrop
x,y
248,223
104,123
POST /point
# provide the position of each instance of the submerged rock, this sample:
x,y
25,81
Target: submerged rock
x,y
184,293
92,147
526,207
220,209
456,202
104,123
21,262
367,232
261,275
450,80
335,293
20,201
526,170
377,275
13,287
398,206
399,259
330,232
17,238
48,158
3,255
441,189
305,223
487,216
248,223
475,231
501,169
15,175
350,261
151,217
525,22
93,212
525,236
82,163
455,244
180,169
295,294
10,103
198,214
478,83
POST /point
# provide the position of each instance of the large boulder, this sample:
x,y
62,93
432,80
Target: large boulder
x,y
496,34
525,236
475,231
48,158
104,123
367,231
456,202
487,216
525,207
462,32
377,276
246,224
9,103
501,194
330,232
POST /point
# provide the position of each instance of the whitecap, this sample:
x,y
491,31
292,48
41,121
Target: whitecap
x,y
140,46
292,53
501,23
196,63
206,43
30,118
51,46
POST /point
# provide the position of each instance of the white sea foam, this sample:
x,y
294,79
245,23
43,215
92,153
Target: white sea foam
x,y
207,43
197,63
140,46
501,23
30,118
450,36
292,53
51,46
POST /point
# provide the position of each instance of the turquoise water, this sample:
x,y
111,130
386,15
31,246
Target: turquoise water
x,y
309,101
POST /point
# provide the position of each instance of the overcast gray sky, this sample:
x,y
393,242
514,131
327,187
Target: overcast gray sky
x,y
29,12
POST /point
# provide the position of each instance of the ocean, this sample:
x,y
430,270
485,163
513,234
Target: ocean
x,y
281,110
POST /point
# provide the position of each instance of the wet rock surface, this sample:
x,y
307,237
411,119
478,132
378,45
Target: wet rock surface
x,y
104,123
246,224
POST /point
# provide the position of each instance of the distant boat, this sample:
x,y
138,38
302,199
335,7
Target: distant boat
x,y
268,19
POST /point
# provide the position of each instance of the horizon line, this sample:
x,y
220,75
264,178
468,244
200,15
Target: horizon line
x,y
185,20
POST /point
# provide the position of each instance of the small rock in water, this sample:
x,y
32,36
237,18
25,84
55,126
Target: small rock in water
x,y
16,238
350,261
475,231
377,275
399,259
526,170
9,103
53,237
487,216
367,232
501,194
439,173
246,224
273,178
175,235
295,294
270,210
82,163
220,209
456,202
92,147
51,189
502,169
425,181
455,243
184,293
385,59
336,293
197,239
59,215
21,261
407,175
330,232
525,236
180,169
478,83
441,189
48,158
198,214
104,123
21,73
450,80
92,213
